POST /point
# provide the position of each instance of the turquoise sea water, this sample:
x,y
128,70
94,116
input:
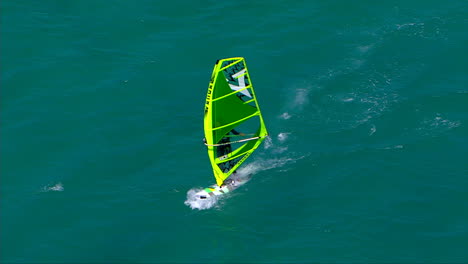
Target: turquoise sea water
x,y
101,127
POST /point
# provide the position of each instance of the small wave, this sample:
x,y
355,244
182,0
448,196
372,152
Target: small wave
x,y
285,116
365,48
394,147
296,100
279,150
267,164
444,123
54,188
437,125
407,25
301,97
429,29
282,136
347,99
372,130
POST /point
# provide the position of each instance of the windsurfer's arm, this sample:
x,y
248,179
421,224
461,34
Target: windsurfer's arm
x,y
237,133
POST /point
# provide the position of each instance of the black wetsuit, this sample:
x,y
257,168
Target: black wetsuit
x,y
225,149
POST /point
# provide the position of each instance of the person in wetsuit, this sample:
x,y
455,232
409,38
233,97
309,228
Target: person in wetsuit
x,y
226,149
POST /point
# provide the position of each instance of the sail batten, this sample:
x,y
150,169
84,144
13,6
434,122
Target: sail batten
x,y
230,94
231,110
238,59
250,101
231,158
238,121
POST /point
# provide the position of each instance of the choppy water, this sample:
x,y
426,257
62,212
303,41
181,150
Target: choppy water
x,y
101,128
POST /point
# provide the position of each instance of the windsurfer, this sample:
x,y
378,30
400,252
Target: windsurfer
x,y
225,148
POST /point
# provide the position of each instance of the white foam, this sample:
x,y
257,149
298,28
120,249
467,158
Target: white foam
x,y
438,121
285,116
195,203
267,143
364,49
301,97
372,130
406,25
394,147
437,125
54,188
296,100
282,136
266,164
279,150
243,174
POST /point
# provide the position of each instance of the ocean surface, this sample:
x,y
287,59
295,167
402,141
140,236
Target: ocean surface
x,y
101,132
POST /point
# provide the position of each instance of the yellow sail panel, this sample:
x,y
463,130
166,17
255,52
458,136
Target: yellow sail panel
x,y
233,123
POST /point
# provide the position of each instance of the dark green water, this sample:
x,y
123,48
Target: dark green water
x,y
101,127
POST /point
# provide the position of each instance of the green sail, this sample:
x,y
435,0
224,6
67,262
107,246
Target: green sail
x,y
233,123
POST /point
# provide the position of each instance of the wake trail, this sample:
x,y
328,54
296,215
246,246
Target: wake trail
x,y
245,173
